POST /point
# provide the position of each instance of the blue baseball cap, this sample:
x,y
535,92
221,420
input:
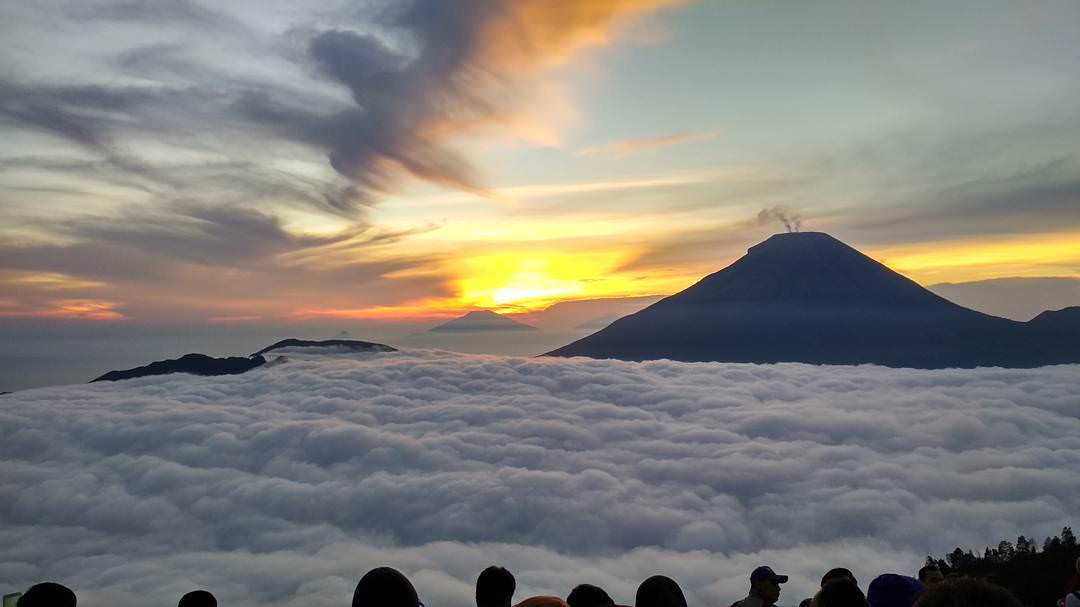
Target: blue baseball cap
x,y
766,573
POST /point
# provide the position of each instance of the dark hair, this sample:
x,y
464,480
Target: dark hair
x,y
838,573
659,591
927,569
47,594
894,590
840,592
587,595
384,587
494,587
198,598
967,592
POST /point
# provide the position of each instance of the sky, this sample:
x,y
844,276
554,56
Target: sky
x,y
282,486
266,163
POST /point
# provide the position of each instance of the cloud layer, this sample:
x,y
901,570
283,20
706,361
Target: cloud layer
x,y
282,485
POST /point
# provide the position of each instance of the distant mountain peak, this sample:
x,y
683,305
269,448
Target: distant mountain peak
x,y
483,314
481,320
808,268
1065,319
784,238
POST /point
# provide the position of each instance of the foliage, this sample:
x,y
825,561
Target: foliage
x,y
1036,576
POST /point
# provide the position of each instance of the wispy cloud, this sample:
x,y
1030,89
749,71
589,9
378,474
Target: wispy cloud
x,y
470,66
81,309
632,146
384,93
729,174
194,261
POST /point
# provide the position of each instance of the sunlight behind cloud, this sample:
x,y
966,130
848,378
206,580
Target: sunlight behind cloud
x,y
529,280
85,309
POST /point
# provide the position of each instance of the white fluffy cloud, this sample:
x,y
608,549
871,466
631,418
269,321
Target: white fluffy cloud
x,y
283,485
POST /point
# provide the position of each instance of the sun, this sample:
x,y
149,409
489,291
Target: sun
x,y
522,281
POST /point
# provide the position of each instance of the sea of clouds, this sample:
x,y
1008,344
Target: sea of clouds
x,y
283,485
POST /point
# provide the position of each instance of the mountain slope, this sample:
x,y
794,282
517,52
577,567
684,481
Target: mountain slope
x,y
807,297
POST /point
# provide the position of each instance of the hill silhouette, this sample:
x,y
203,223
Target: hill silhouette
x,y
481,320
352,345
807,297
201,364
1065,320
195,364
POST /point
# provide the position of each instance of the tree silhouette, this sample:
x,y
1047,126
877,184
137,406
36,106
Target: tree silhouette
x,y
1036,577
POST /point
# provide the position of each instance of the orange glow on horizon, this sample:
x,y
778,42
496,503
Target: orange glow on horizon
x,y
74,309
419,310
969,260
518,282
527,278
239,318
528,281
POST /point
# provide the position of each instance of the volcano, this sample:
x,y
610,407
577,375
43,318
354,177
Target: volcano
x,y
807,297
481,320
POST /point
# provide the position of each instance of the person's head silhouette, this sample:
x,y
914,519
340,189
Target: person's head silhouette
x,y
841,592
198,598
838,574
659,591
495,587
47,594
587,595
384,587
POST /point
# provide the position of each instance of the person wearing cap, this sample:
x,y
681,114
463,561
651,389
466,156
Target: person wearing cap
x,y
764,588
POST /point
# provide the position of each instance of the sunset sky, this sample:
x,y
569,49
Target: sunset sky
x,y
271,161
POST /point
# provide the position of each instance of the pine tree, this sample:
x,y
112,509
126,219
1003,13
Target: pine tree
x,y
1005,549
1068,540
1036,577
1023,546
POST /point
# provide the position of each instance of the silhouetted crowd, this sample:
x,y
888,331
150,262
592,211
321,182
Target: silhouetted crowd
x,y
495,587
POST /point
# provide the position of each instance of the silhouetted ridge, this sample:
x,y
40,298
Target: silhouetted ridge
x,y
201,364
1065,320
481,320
807,297
195,364
352,345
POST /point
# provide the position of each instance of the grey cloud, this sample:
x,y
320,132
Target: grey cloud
x,y
188,232
289,481
184,260
84,114
1017,207
1016,298
397,99
151,11
415,70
